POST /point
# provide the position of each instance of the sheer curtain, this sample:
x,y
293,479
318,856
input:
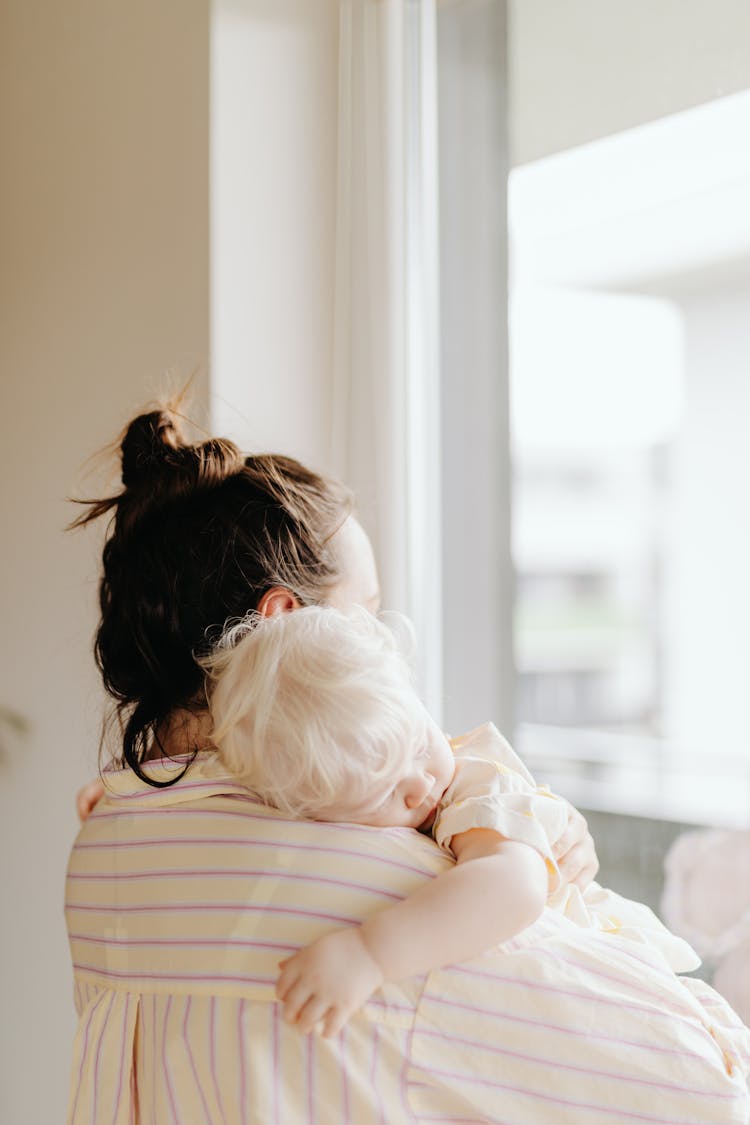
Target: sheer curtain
x,y
386,410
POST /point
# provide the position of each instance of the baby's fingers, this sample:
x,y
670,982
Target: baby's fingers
x,y
288,976
581,869
312,1014
293,996
334,1020
575,852
573,833
293,1004
579,865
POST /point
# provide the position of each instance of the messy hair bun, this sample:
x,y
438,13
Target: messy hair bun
x,y
199,532
159,465
145,446
154,445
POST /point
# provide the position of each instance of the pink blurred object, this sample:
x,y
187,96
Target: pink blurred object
x,y
732,979
707,901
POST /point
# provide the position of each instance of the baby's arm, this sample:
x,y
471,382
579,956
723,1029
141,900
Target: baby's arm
x,y
497,888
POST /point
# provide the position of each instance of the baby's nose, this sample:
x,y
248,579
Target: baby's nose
x,y
418,790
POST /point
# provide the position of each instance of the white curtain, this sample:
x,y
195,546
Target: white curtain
x,y
386,422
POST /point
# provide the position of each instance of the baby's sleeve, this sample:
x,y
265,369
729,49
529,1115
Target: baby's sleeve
x,y
493,789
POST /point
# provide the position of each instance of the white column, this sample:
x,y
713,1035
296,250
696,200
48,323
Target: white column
x,y
478,577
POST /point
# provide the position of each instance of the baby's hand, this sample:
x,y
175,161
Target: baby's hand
x,y
327,982
575,852
88,797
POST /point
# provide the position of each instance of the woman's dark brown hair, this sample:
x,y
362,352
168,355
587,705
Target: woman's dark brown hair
x,y
199,533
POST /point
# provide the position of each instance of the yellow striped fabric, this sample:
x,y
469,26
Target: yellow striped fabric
x,y
180,903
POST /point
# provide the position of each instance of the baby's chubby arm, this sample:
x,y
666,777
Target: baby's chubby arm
x,y
496,889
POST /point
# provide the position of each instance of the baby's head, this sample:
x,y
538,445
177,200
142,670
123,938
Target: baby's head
x,y
315,711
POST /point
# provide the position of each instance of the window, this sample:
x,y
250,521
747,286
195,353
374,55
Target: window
x,y
627,328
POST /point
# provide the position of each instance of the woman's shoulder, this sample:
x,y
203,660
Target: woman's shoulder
x,y
204,795
170,780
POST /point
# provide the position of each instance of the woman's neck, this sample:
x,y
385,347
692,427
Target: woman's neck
x,y
181,733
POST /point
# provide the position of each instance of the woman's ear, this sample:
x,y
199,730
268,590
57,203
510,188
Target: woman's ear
x,y
277,600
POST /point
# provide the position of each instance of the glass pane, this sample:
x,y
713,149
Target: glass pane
x,y
629,408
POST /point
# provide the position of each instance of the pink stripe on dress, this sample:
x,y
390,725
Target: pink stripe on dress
x,y
211,908
197,978
97,1057
243,1076
310,1078
346,884
275,1061
458,1120
165,1060
212,1050
552,1063
568,1029
165,841
218,787
555,990
346,1108
191,1059
152,1053
118,1095
373,1071
625,982
552,1099
198,943
461,1120
84,1050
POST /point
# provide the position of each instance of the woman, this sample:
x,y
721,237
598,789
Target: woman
x,y
183,892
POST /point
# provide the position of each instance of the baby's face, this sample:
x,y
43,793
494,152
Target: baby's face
x,y
414,793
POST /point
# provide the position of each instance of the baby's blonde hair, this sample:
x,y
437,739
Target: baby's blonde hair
x,y
313,706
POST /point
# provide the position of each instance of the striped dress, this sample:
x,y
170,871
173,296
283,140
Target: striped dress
x,y
181,902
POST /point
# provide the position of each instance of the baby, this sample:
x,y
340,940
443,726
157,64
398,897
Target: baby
x,y
316,713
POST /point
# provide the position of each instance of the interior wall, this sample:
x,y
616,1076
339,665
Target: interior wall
x,y
582,69
274,113
103,286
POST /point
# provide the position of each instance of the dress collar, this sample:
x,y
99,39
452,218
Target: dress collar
x,y
205,777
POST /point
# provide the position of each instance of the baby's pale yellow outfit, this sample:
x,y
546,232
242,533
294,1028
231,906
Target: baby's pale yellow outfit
x,y
493,789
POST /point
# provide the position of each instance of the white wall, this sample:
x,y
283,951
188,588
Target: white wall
x,y
103,285
106,284
274,91
582,69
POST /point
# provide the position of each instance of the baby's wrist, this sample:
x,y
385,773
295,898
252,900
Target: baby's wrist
x,y
371,947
